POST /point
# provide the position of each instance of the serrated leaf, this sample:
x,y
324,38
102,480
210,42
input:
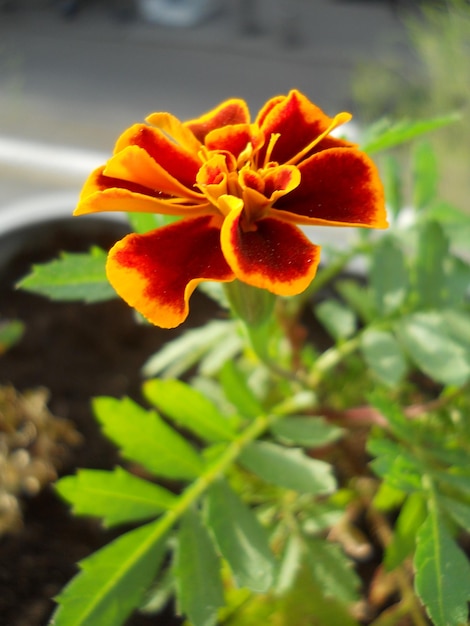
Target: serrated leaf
x,y
241,539
112,581
410,518
73,276
179,355
145,438
390,135
311,432
442,574
116,496
291,561
383,356
395,465
458,480
425,175
388,276
332,570
288,467
399,424
197,573
338,319
431,281
458,511
159,594
426,339
188,408
238,392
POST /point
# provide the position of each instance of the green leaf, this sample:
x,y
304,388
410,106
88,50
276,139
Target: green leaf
x,y
426,339
73,276
388,276
395,465
458,511
295,403
288,467
197,573
399,424
188,408
454,221
442,574
393,184
431,281
425,175
182,353
359,298
402,545
145,438
291,561
241,539
457,279
113,580
338,319
388,498
458,324
238,392
383,356
311,432
390,134
456,480
332,570
115,496
142,222
321,516
220,353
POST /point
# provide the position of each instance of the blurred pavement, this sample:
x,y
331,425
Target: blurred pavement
x,y
68,84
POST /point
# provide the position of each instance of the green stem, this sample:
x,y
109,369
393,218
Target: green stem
x,y
330,358
211,474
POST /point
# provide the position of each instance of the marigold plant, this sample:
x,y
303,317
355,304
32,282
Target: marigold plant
x,y
304,459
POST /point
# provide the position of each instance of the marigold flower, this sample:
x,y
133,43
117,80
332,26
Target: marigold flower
x,y
241,188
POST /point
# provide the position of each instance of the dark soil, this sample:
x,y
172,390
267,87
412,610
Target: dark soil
x,y
76,351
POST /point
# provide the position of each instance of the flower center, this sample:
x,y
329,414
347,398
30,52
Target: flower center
x,y
223,174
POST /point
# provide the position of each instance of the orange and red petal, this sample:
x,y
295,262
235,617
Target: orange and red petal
x,y
157,272
298,122
176,129
338,187
180,163
102,193
134,164
233,111
274,255
235,138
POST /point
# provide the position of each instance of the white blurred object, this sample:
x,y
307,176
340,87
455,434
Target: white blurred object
x,y
42,157
180,13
